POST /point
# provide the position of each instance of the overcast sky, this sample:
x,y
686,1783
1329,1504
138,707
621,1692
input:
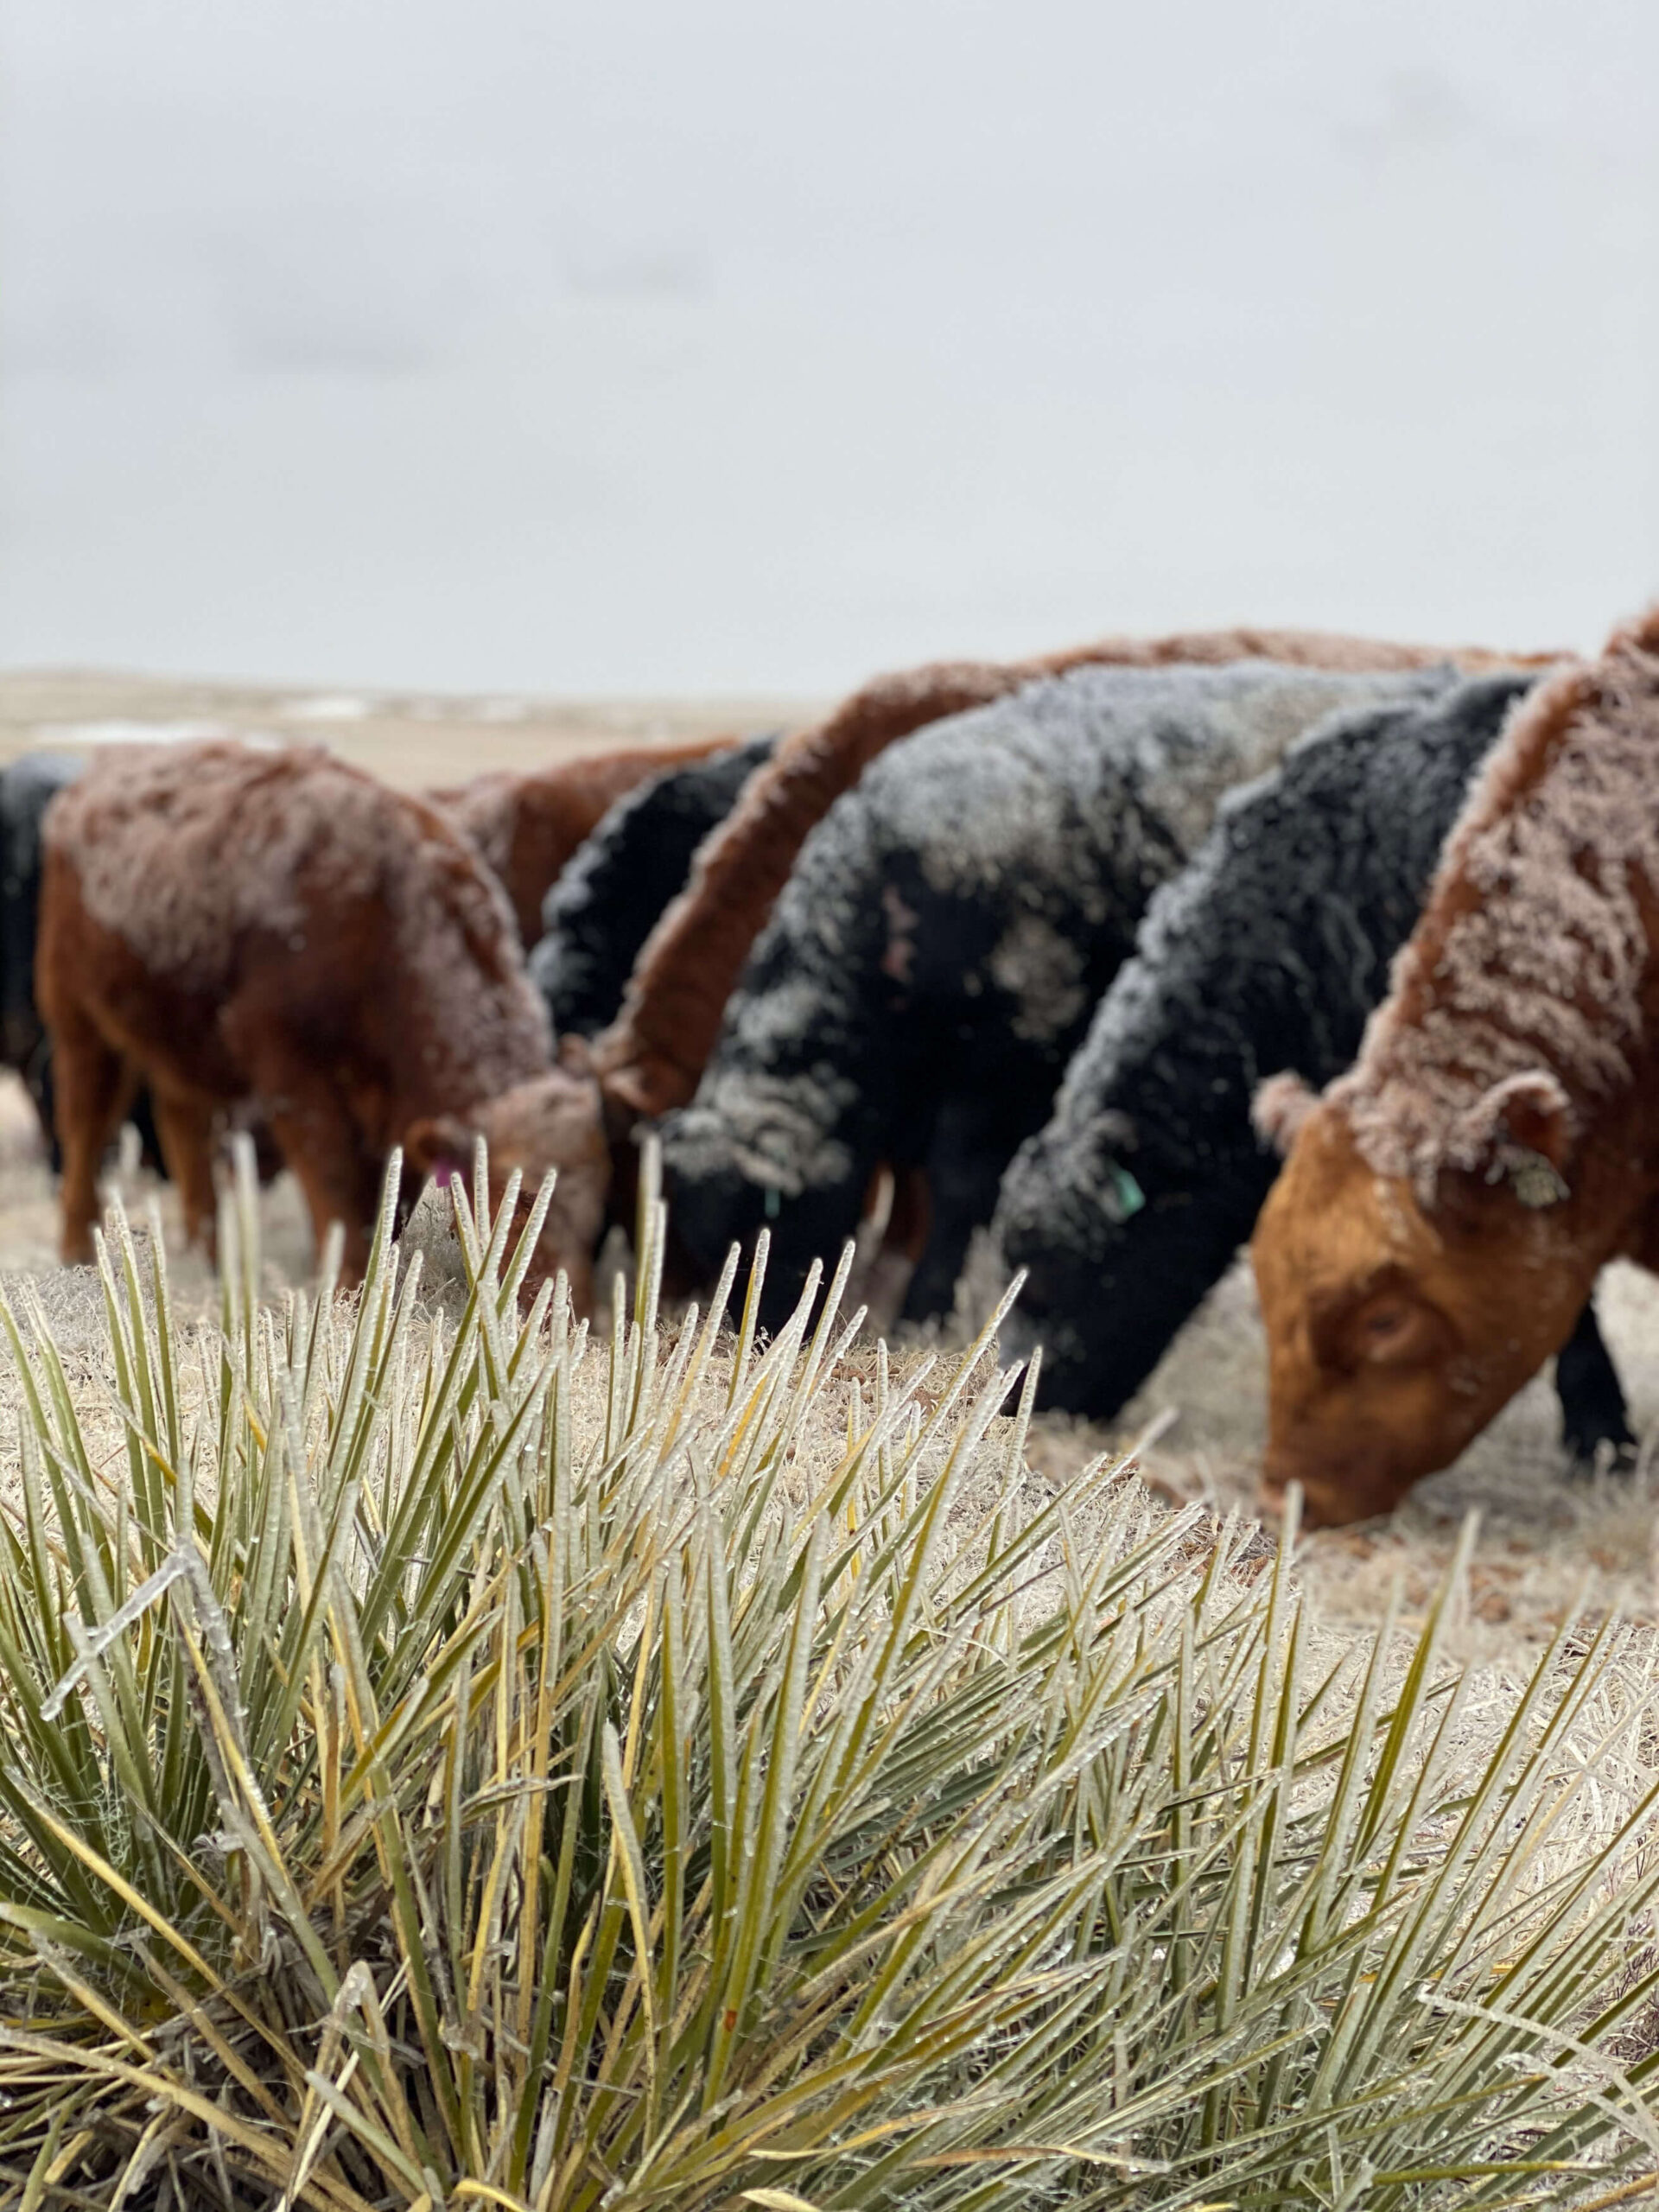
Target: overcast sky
x,y
751,346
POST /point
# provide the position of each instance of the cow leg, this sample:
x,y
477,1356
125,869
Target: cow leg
x,y
1593,1404
904,1239
37,1072
971,1147
185,1129
141,1111
321,1142
89,1091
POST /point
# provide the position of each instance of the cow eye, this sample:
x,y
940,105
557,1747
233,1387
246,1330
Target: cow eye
x,y
1385,1330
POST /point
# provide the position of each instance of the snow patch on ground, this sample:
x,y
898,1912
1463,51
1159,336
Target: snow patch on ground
x,y
122,732
329,707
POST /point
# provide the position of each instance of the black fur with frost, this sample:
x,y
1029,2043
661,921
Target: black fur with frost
x,y
612,890
934,958
1269,953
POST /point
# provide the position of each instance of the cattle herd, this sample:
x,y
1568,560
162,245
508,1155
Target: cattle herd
x,y
1069,950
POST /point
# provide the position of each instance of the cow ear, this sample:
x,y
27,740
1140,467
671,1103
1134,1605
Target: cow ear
x,y
439,1146
1281,1104
1522,1129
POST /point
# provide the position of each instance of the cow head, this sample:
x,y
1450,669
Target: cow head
x,y
1396,1328
552,1121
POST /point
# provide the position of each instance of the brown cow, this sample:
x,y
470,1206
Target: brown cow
x,y
275,930
527,827
1447,1203
651,1058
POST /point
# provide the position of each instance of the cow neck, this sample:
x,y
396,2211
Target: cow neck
x,y
1532,951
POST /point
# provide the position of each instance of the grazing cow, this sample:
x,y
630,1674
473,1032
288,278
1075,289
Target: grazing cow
x,y
28,786
946,933
608,898
528,827
1447,1203
1269,951
275,929
650,1057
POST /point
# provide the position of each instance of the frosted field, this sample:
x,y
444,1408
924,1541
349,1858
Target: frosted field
x,y
1544,1540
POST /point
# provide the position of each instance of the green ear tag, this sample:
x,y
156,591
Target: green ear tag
x,y
774,1201
1129,1193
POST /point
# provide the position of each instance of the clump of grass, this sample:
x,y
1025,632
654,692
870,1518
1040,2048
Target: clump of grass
x,y
466,1765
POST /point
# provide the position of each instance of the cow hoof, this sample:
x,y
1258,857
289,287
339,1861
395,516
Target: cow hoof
x,y
1590,1455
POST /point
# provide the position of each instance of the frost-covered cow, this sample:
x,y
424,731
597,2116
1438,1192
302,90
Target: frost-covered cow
x,y
650,1057
1269,952
611,892
1447,1204
948,930
274,929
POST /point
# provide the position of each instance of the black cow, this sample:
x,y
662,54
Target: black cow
x,y
1267,955
28,786
607,900
935,955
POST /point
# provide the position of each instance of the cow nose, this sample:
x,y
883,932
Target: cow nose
x,y
1338,1499
1322,1510
1321,1501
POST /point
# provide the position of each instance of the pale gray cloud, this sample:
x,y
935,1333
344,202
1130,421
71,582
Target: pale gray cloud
x,y
559,343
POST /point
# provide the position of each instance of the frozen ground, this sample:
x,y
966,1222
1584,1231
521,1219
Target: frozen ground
x,y
1543,1539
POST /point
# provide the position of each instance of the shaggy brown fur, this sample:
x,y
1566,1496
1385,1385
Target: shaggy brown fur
x,y
276,930
527,827
1532,951
1447,1204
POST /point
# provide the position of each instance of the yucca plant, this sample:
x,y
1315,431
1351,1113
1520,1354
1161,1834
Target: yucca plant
x,y
468,1765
